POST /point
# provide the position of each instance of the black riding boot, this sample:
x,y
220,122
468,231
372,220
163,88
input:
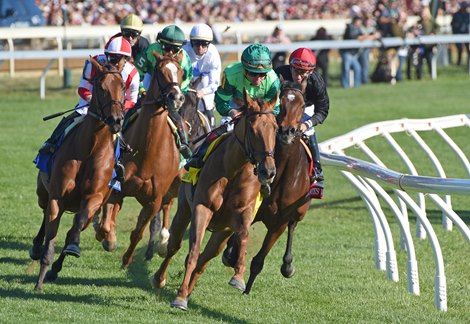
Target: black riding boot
x,y
210,115
50,145
184,148
316,185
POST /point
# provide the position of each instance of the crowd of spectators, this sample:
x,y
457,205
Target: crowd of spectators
x,y
107,12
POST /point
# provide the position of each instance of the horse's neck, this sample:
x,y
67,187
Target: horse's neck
x,y
234,158
287,154
94,133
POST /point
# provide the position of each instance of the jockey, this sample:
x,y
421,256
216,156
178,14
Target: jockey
x,y
116,50
131,30
301,69
206,64
169,42
254,73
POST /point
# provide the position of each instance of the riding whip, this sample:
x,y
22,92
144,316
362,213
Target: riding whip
x,y
61,113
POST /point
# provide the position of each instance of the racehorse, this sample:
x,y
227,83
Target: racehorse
x,y
198,125
81,171
219,203
155,165
289,201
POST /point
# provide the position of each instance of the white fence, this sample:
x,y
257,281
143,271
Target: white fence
x,y
364,176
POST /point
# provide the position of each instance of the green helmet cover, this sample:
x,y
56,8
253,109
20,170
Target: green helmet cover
x,y
257,58
172,35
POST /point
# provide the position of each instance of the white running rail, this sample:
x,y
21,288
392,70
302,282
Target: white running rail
x,y
365,177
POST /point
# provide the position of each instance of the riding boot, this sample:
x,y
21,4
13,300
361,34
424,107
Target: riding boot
x,y
210,115
184,146
120,171
49,146
316,181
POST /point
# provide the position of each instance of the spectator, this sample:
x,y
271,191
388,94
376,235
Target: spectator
x,y
460,25
369,32
278,36
350,57
322,55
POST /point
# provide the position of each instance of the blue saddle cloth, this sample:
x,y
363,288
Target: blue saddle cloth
x,y
44,162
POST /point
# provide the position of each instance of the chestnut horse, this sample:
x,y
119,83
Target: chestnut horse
x,y
219,203
81,171
198,126
155,165
289,201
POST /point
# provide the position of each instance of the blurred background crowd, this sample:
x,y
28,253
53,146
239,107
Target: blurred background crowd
x,y
107,12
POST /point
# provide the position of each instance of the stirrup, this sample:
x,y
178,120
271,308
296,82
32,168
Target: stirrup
x,y
185,151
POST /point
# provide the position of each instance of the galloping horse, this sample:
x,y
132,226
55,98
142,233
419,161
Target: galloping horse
x,y
289,201
219,203
198,125
151,171
81,171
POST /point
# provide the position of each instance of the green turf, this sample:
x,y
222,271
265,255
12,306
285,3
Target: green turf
x,y
335,278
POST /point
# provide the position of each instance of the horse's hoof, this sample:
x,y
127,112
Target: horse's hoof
x,y
149,255
180,303
98,236
109,246
51,276
162,249
38,287
287,270
35,253
156,285
239,284
73,250
227,259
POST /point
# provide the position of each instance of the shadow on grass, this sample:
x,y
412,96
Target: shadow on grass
x,y
12,243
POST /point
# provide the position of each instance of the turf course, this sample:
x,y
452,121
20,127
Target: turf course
x,y
335,278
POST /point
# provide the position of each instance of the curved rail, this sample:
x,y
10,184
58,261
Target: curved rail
x,y
368,178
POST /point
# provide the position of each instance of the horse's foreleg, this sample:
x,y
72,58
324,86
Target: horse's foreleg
x,y
105,232
154,228
258,261
36,249
241,239
145,216
200,221
287,269
213,248
178,227
51,226
164,235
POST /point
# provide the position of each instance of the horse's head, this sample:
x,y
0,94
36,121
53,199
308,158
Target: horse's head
x,y
165,86
290,115
259,135
107,101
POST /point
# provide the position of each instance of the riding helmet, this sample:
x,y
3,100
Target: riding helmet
x,y
257,58
120,46
201,32
132,22
303,59
172,35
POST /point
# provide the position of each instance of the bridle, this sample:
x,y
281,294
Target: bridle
x,y
162,97
101,107
246,145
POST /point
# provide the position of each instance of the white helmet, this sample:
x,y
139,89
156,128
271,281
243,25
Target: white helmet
x,y
201,32
118,45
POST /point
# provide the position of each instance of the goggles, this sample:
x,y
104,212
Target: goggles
x,y
301,71
202,43
301,64
128,33
114,59
256,75
170,48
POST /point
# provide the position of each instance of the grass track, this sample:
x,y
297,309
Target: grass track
x,y
335,277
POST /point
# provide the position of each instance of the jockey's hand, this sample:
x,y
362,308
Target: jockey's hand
x,y
234,113
201,93
303,127
88,98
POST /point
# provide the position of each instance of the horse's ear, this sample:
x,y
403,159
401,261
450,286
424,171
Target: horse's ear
x,y
96,65
281,78
121,65
248,100
273,101
179,56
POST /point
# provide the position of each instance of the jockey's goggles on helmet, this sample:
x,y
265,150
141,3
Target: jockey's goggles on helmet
x,y
301,65
202,43
256,74
170,48
128,33
114,59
